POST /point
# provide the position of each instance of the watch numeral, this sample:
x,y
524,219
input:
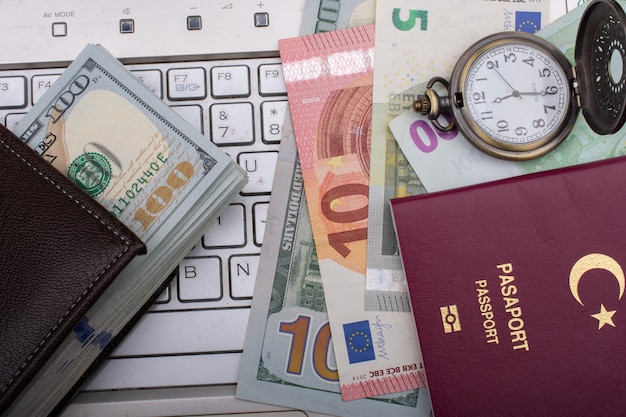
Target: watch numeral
x,y
521,131
510,57
487,115
539,123
546,108
552,90
503,126
530,61
492,64
479,98
544,72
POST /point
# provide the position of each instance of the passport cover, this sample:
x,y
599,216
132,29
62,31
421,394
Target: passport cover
x,y
517,288
59,250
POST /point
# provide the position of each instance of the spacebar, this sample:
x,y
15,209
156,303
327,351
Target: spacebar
x,y
164,371
185,332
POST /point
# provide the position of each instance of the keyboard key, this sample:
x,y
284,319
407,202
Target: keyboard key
x,y
169,331
40,84
59,29
243,275
271,80
12,119
186,84
229,230
164,297
272,118
192,113
199,278
194,22
259,214
12,92
127,25
230,81
232,124
145,372
260,167
151,79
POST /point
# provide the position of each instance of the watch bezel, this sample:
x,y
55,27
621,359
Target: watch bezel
x,y
472,131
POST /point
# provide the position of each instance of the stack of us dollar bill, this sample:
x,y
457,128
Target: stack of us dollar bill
x,y
112,136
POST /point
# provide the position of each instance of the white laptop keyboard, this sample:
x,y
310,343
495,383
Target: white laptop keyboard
x,y
232,90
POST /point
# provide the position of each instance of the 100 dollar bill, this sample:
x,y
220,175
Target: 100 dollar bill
x,y
447,160
113,144
114,138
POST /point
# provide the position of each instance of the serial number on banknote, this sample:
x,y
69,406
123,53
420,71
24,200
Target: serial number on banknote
x,y
138,186
387,371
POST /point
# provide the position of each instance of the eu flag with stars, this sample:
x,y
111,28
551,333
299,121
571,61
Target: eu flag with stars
x,y
529,22
359,341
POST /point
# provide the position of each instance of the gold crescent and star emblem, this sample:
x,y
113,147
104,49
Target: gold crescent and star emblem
x,y
597,261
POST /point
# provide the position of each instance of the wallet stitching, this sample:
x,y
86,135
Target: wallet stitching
x,y
96,279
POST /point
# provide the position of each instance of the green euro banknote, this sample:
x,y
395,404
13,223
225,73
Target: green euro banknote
x,y
288,355
403,60
328,15
447,160
140,160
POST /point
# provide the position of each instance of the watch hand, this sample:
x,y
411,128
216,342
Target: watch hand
x,y
515,92
547,91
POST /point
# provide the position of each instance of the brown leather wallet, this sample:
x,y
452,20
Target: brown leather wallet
x,y
59,250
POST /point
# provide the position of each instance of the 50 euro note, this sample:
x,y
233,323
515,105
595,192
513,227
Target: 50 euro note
x,y
448,160
288,357
416,40
329,84
114,138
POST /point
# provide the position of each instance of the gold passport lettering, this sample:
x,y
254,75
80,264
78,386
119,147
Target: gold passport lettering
x,y
511,306
515,323
486,311
450,318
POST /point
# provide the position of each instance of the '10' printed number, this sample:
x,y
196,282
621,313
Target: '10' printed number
x,y
299,331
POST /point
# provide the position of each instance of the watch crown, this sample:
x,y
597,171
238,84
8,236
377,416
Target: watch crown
x,y
422,105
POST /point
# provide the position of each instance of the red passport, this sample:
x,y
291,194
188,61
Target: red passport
x,y
517,288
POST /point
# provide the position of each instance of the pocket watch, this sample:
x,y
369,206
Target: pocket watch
x,y
516,96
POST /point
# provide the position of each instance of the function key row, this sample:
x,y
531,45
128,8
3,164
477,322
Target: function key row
x,y
181,84
13,90
225,81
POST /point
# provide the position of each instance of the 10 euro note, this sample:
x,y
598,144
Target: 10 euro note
x,y
288,355
329,84
448,160
140,160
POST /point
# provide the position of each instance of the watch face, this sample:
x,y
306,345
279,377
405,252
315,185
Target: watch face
x,y
516,94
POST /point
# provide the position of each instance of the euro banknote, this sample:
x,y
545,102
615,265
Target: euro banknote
x,y
328,15
329,84
284,284
288,357
406,56
114,138
444,161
